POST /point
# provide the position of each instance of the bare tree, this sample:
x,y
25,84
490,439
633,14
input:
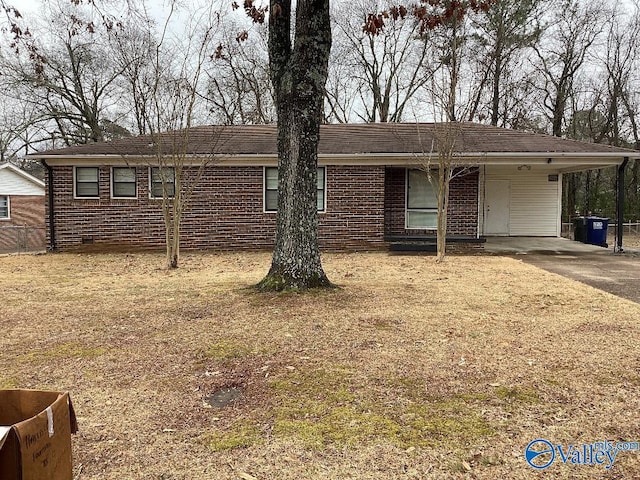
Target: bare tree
x,y
606,113
341,100
135,53
452,41
385,71
449,105
20,36
567,44
176,88
623,46
441,165
161,74
16,119
71,80
509,27
240,91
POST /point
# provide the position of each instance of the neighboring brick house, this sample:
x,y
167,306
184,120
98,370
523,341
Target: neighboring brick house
x,y
22,211
372,189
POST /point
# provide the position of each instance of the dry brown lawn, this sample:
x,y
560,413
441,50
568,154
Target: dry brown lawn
x,y
409,370
629,239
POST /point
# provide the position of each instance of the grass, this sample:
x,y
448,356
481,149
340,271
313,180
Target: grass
x,y
410,370
61,351
239,435
226,350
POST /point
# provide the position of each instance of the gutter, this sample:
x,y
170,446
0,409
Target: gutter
x,y
52,223
557,160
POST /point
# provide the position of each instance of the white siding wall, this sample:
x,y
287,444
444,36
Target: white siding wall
x,y
13,184
535,201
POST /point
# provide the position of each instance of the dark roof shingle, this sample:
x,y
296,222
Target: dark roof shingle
x,y
343,139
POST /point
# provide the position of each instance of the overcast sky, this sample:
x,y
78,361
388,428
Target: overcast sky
x,y
157,8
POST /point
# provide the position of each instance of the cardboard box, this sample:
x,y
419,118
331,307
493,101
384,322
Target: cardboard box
x,y
35,435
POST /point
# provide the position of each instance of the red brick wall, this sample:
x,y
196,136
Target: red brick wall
x,y
462,212
355,208
24,230
226,211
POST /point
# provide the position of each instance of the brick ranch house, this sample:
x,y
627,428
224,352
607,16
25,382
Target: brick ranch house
x,y
22,210
370,190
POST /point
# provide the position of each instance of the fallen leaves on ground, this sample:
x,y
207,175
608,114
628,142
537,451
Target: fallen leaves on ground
x,y
411,369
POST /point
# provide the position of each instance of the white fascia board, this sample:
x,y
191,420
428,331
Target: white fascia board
x,y
229,160
97,160
555,158
60,160
558,159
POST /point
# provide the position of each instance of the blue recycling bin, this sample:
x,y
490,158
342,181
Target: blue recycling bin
x,y
596,231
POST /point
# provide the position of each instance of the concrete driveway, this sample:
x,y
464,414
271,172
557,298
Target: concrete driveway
x,y
599,267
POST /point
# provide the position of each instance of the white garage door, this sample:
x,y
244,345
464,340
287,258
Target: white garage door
x,y
534,201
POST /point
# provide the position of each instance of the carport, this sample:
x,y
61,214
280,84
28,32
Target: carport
x,y
521,195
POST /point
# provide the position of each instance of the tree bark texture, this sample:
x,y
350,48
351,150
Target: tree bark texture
x,y
172,210
298,75
444,180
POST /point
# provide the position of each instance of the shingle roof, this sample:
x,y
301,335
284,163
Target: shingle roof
x,y
345,139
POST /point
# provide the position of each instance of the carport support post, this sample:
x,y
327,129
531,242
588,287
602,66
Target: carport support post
x,y
620,206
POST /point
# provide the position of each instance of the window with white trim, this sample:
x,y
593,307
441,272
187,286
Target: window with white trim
x,y
123,182
159,177
422,200
4,207
271,189
87,183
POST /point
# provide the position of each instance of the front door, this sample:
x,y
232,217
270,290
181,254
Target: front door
x,y
496,214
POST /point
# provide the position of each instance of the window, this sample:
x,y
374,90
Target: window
x,y
422,201
124,182
321,189
271,189
87,184
4,207
158,175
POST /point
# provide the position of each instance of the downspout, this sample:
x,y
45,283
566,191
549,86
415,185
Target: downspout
x,y
52,223
620,206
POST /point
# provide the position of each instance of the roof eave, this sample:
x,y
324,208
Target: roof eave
x,y
481,158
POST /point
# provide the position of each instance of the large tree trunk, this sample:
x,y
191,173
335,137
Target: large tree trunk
x,y
298,75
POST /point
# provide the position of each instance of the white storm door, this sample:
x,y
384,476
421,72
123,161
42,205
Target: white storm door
x,y
497,200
